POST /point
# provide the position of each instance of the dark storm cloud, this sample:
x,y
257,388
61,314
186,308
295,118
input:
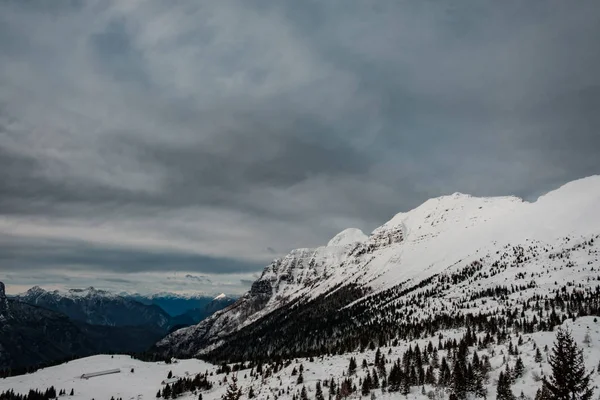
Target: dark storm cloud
x,y
18,255
197,133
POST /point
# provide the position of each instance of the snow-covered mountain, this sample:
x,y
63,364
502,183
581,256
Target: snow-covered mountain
x,y
453,248
98,307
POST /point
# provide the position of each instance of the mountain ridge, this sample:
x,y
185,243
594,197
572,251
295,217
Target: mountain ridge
x,y
443,235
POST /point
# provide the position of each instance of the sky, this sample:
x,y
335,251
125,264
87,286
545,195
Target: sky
x,y
181,146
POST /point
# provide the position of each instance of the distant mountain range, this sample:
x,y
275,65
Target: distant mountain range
x,y
42,326
98,307
194,307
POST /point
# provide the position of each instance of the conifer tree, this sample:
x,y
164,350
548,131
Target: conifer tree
x,y
543,393
375,379
503,391
569,380
538,356
519,368
459,382
405,385
366,385
303,394
352,366
435,360
319,392
233,392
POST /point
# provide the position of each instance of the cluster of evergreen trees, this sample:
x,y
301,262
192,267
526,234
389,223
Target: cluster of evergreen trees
x,y
462,372
47,394
184,385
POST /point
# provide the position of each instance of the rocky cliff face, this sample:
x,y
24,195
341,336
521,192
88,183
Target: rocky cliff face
x,y
4,314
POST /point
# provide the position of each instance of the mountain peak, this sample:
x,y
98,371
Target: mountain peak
x,y
221,296
346,237
36,290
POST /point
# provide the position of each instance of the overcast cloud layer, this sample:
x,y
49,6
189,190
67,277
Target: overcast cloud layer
x,y
152,145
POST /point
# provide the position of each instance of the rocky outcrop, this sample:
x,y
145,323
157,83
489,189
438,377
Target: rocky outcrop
x,y
4,311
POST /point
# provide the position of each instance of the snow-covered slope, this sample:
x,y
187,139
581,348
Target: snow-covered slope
x,y
441,236
142,380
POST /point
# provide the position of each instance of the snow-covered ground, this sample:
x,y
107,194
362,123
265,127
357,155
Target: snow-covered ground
x,y
147,377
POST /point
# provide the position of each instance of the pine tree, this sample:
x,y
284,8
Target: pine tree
x,y
395,379
503,391
543,393
519,368
480,390
375,379
444,374
538,356
166,393
233,392
569,380
158,394
405,385
366,386
319,392
459,382
303,394
250,393
435,360
352,366
170,375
